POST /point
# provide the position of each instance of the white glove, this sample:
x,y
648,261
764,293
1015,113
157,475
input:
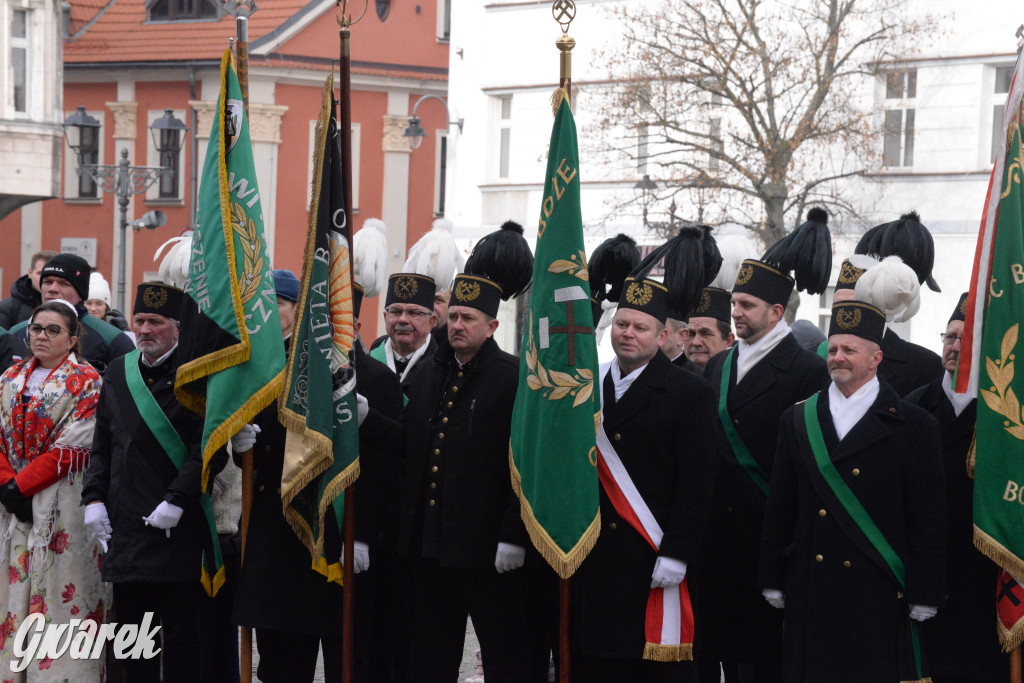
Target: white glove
x,y
362,408
360,556
774,597
922,612
509,557
165,517
667,572
97,522
245,439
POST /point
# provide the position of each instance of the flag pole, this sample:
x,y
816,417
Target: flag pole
x,y
1015,665
564,11
345,138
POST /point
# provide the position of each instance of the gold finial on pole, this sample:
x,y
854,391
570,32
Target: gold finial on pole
x,y
564,11
346,20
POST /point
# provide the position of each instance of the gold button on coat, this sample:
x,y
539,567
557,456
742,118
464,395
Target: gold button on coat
x,y
441,435
817,558
431,502
455,389
617,437
613,526
846,564
434,468
444,420
821,512
856,472
433,485
437,451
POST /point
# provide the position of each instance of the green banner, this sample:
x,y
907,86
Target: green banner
x,y
230,343
554,422
318,401
999,447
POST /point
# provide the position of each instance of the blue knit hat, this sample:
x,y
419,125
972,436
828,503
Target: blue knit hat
x,y
286,285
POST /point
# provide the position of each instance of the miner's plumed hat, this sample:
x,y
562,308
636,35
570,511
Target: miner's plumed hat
x,y
859,319
158,298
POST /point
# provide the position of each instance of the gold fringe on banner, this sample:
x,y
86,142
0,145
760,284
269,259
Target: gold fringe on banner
x,y
998,553
683,652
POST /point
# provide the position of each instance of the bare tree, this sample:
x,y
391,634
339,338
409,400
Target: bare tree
x,y
766,103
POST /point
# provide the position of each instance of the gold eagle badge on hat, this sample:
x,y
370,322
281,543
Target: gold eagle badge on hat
x,y
154,297
405,288
848,318
639,294
467,291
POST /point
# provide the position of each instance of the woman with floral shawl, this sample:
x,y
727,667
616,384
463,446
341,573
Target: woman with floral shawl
x,y
47,414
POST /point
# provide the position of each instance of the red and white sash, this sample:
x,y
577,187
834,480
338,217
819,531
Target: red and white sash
x,y
669,618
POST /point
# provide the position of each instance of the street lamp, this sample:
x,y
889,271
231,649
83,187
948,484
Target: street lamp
x,y
416,132
123,180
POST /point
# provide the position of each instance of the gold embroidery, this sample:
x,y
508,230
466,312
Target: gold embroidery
x,y
743,277
639,294
154,297
847,318
467,291
405,288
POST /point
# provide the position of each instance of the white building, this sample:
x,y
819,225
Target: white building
x,y
31,114
936,112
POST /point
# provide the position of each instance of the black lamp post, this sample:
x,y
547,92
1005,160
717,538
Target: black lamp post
x,y
122,179
416,132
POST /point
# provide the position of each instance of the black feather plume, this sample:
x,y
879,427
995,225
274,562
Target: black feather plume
x,y
907,238
806,253
609,266
691,261
504,257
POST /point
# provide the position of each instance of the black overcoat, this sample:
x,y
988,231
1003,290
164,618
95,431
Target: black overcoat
x,y
681,361
733,621
906,366
131,474
278,589
843,611
962,640
662,430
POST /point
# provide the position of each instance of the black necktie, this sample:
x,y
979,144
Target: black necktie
x,y
401,364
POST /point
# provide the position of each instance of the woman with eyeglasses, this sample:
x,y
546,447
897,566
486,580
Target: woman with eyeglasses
x,y
47,414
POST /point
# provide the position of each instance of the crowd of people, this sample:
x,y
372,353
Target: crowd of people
x,y
792,509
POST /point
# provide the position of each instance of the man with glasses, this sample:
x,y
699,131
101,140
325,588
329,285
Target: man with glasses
x,y
960,642
408,319
66,276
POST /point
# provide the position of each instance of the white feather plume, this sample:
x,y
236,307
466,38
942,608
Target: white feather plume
x,y
174,266
891,286
734,247
370,256
436,255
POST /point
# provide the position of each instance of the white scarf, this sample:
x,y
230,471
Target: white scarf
x,y
623,383
748,355
958,401
389,354
847,411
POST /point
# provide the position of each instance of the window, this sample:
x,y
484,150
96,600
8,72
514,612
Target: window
x,y
898,130
1004,76
825,309
168,186
82,186
444,20
19,60
178,10
505,136
440,172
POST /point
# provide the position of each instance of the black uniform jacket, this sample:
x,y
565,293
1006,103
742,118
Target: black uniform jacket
x,y
961,641
101,342
278,589
131,474
468,465
843,610
907,366
662,430
681,361
410,376
724,577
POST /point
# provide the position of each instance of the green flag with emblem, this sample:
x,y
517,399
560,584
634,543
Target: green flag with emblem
x,y
230,342
552,453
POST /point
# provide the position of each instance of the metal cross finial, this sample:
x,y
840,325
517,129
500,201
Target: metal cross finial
x,y
564,11
240,8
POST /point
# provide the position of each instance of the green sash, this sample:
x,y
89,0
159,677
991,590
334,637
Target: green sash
x,y
807,422
823,350
739,449
176,450
380,354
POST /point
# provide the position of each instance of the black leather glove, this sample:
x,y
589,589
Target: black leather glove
x,y
16,503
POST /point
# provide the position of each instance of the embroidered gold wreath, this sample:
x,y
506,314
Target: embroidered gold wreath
x,y
556,384
848,319
467,291
639,294
963,307
743,277
849,273
1000,397
406,288
154,297
574,265
704,304
252,252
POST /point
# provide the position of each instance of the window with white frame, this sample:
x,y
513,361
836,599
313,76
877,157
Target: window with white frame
x,y
825,308
20,51
169,186
1004,76
898,127
356,135
91,150
440,172
504,134
444,20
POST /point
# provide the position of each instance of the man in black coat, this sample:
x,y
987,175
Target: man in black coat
x,y
408,320
661,450
710,327
25,296
459,515
142,503
906,365
763,374
293,608
961,642
854,540
673,348
66,276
